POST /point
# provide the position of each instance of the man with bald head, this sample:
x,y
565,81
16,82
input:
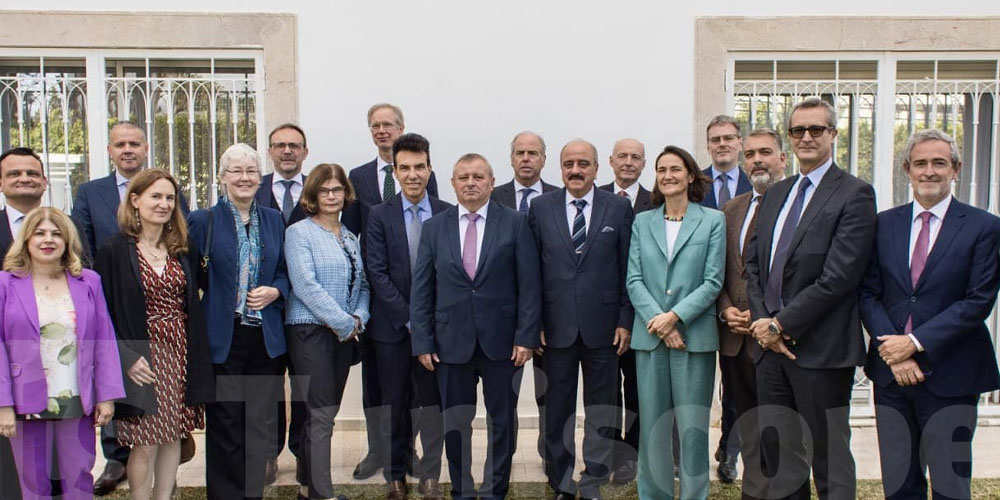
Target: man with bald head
x,y
583,235
628,159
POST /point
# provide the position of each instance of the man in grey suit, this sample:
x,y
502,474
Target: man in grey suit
x,y
583,237
805,264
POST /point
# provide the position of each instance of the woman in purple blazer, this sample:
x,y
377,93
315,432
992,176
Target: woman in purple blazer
x,y
59,364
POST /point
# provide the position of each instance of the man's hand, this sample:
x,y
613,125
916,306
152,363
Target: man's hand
x,y
428,360
662,323
780,348
896,348
103,413
622,336
907,372
541,347
140,373
673,339
7,422
261,297
737,321
520,355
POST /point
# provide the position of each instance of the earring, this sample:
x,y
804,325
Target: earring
x,y
168,227
138,222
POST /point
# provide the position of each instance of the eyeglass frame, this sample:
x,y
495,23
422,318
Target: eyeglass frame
x,y
814,131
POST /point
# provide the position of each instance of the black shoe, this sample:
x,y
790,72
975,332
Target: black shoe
x,y
727,466
624,472
563,496
368,466
114,473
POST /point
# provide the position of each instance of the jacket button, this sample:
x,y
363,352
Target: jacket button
x,y
913,298
670,292
900,325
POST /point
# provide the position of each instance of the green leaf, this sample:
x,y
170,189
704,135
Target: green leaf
x,y
53,331
67,354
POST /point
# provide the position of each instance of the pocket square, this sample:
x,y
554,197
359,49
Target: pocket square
x,y
608,229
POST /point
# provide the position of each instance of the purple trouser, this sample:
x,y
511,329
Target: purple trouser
x,y
73,439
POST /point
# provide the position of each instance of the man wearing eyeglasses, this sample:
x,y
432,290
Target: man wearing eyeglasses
x,y
375,183
804,266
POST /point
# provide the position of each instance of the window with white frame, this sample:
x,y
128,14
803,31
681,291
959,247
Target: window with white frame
x,y
192,105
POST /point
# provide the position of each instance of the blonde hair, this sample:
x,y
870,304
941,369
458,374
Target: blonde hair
x,y
174,235
18,260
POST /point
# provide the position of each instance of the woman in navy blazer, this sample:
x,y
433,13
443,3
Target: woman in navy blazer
x,y
244,281
676,262
59,365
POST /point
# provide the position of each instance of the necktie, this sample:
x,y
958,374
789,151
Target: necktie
x,y
624,194
389,186
469,259
413,234
751,227
579,227
723,191
919,259
287,205
772,292
523,206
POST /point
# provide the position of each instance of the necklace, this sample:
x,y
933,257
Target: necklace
x,y
673,219
148,249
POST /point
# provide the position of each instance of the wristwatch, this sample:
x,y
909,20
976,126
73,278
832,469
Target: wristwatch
x,y
773,329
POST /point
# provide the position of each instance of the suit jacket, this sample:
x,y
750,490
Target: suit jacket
x,y
742,186
826,260
265,198
642,202
583,297
734,288
450,314
949,305
22,377
505,195
118,264
688,283
219,290
7,239
368,192
387,261
95,210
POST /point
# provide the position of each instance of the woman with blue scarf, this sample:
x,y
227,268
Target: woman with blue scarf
x,y
242,275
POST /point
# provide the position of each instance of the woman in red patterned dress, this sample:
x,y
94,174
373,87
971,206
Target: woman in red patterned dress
x,y
152,294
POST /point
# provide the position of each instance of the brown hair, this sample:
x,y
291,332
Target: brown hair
x,y
319,175
696,189
175,233
18,260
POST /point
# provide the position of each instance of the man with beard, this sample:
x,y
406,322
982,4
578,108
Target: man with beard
x,y
764,162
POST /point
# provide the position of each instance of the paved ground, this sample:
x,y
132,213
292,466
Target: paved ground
x,y
349,445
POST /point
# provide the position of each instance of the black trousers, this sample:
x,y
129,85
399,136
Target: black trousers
x,y
729,440
10,484
803,409
627,416
600,374
238,438
371,398
411,394
917,431
739,379
298,411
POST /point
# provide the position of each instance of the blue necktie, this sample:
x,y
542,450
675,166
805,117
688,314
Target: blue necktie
x,y
579,227
723,191
772,292
523,206
287,205
413,234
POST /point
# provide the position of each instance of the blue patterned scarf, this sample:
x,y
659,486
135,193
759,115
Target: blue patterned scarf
x,y
249,261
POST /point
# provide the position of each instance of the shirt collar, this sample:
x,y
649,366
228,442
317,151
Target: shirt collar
x,y
937,210
731,174
589,197
536,187
424,204
817,175
298,179
482,210
633,190
119,178
380,163
13,214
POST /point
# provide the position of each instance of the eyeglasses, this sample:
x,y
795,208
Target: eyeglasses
x,y
240,173
334,191
381,126
723,138
294,146
814,131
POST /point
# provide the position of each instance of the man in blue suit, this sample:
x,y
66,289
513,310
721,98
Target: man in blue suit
x,y
375,183
931,283
475,310
583,237
287,149
394,229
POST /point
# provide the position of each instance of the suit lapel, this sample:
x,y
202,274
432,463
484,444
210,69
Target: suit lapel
x,y
659,232
397,228
766,220
558,213
454,242
827,186
953,222
596,220
901,246
25,291
6,238
742,183
489,236
734,224
371,182
692,219
109,193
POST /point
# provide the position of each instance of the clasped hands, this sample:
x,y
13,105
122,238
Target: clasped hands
x,y
103,412
897,351
761,331
664,326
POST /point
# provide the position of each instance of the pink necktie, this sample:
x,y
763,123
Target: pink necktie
x,y
469,248
919,259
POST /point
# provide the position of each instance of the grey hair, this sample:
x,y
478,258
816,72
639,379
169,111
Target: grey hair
x,y
931,134
767,132
593,148
723,120
128,124
384,105
238,151
816,102
526,132
470,157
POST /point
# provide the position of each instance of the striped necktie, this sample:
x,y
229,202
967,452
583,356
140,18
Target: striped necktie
x,y
579,227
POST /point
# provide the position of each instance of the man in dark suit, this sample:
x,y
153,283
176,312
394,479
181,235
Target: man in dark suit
x,y
930,286
583,237
527,158
764,162
394,229
475,312
374,183
805,263
628,159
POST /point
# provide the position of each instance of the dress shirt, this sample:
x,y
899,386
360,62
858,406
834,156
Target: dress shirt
x,y
278,188
751,209
536,190
121,182
380,172
732,178
571,210
632,191
425,210
814,177
14,220
673,227
938,211
463,223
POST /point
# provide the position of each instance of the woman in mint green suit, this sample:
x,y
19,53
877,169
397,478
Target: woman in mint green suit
x,y
675,272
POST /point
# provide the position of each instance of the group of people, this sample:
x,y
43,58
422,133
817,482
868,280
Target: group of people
x,y
192,320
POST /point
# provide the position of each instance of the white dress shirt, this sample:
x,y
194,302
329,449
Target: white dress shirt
x,y
14,220
278,188
571,210
732,177
632,191
122,184
463,224
379,166
536,190
814,177
751,210
937,211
